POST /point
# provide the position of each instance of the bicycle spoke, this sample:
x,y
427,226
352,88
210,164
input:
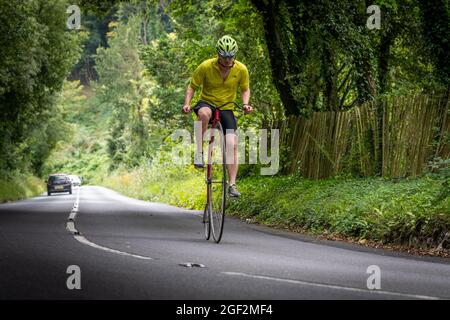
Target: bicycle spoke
x,y
216,179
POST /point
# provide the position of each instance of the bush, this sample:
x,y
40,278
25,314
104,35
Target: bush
x,y
406,212
20,187
441,168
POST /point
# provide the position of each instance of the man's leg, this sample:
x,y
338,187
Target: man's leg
x,y
230,125
204,115
232,166
232,159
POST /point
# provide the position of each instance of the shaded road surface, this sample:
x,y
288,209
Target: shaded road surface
x,y
131,249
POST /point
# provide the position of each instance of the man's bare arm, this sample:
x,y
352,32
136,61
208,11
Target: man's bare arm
x,y
245,94
188,98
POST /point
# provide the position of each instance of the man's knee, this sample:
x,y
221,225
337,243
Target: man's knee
x,y
204,113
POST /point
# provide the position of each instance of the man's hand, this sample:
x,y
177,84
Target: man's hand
x,y
247,108
186,108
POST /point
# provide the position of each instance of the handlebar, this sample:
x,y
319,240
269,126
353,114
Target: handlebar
x,y
223,105
232,102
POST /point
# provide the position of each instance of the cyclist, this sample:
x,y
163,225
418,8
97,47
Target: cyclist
x,y
219,79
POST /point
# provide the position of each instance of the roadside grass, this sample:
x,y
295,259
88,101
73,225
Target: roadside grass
x,y
20,187
182,187
406,212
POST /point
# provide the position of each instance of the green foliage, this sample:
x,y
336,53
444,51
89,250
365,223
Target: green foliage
x,y
98,7
161,181
325,58
79,133
392,211
93,31
173,53
124,88
331,60
194,30
436,22
37,52
20,187
83,155
72,103
441,168
242,20
164,60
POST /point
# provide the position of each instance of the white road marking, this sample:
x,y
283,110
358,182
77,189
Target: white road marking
x,y
85,241
320,285
70,226
72,215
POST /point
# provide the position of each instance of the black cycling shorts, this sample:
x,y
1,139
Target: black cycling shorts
x,y
227,118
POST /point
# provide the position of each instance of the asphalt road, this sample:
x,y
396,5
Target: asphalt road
x,y
131,249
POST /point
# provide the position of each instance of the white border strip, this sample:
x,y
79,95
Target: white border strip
x,y
70,226
85,241
320,285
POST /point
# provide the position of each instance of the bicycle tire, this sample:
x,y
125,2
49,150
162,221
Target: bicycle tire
x,y
216,182
206,222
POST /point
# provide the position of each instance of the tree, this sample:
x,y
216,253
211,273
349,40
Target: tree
x,y
122,87
436,23
37,53
325,58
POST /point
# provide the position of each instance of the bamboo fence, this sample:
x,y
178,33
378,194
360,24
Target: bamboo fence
x,y
394,137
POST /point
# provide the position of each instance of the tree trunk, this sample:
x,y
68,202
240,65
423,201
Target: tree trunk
x,y
274,34
385,46
435,22
330,78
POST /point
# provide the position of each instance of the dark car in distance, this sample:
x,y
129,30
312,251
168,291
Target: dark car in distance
x,y
58,183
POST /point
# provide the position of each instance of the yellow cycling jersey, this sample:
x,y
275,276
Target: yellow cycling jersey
x,y
215,90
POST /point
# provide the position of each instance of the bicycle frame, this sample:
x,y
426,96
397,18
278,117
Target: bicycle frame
x,y
217,233
216,119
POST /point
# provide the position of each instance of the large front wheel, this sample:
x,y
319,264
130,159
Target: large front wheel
x,y
206,222
216,179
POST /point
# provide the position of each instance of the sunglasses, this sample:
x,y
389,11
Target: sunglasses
x,y
227,56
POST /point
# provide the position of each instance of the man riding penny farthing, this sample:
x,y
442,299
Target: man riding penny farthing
x,y
219,79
